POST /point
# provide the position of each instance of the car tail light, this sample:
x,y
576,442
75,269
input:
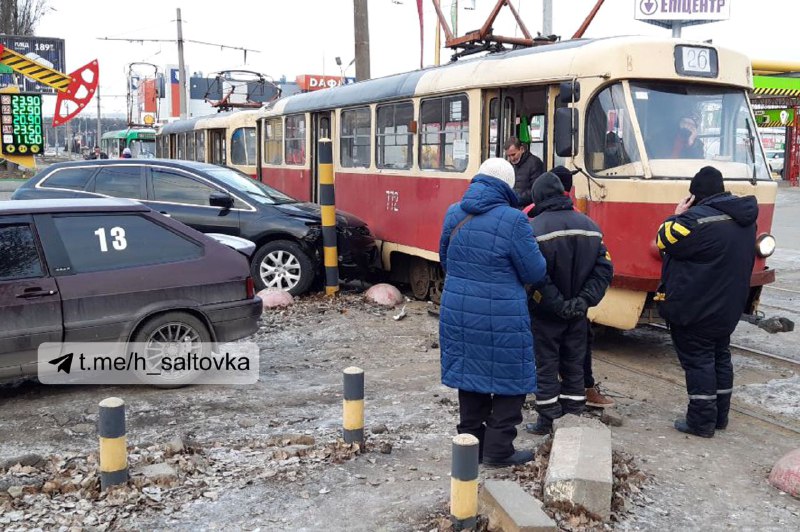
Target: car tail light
x,y
251,288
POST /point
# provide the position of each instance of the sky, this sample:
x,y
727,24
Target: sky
x,y
305,36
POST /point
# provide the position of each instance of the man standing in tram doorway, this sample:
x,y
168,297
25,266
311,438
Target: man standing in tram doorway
x,y
709,250
527,167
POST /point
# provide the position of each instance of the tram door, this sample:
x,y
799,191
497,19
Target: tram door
x,y
321,128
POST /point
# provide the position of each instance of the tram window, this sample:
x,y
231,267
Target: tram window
x,y
394,143
181,137
218,150
444,134
493,145
243,146
296,140
273,141
200,144
238,149
355,138
610,140
190,146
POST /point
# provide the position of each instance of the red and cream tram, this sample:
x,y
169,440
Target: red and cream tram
x,y
405,147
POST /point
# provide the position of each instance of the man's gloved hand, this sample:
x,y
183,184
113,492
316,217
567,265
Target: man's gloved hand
x,y
574,308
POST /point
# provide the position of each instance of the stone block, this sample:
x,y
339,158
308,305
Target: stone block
x,y
384,294
271,298
785,474
580,469
510,509
160,471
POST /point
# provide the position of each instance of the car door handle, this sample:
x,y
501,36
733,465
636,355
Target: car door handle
x,y
165,213
35,291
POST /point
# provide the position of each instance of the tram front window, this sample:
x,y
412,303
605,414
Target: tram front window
x,y
143,149
686,127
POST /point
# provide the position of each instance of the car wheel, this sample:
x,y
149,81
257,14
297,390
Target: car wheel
x,y
282,265
173,334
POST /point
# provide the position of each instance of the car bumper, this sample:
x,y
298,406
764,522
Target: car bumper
x,y
358,254
234,321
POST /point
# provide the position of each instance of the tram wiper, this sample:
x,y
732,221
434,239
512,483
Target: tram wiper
x,y
752,143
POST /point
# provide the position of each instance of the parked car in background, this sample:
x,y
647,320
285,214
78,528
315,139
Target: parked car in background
x,y
775,160
112,270
215,199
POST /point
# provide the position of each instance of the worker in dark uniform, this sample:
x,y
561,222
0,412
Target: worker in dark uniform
x,y
709,250
579,271
527,167
594,397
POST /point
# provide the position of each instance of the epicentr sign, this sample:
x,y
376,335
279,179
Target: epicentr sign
x,y
647,10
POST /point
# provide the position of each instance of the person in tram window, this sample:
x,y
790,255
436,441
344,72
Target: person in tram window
x,y
126,153
685,144
708,250
527,167
579,271
488,253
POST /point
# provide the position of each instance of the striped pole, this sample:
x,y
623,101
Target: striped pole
x,y
113,445
464,482
353,405
327,202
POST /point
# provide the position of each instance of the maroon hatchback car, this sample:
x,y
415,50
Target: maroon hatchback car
x,y
107,270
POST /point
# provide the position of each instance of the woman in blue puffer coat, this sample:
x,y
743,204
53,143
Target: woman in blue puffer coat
x,y
488,252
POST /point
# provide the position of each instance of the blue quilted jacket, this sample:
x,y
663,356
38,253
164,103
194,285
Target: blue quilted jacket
x,y
484,327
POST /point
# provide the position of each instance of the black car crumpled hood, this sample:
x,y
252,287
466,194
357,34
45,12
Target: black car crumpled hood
x,y
313,212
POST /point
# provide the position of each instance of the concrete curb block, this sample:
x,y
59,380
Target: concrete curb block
x,y
511,509
580,469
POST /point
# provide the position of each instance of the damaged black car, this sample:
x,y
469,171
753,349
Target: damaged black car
x,y
215,199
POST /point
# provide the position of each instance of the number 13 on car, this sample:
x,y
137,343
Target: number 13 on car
x,y
117,233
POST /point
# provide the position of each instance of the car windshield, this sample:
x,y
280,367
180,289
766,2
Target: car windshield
x,y
254,189
699,125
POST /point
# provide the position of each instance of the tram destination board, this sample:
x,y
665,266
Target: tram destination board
x,y
21,123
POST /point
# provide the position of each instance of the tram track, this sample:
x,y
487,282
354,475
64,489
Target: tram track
x,y
794,363
737,406
781,289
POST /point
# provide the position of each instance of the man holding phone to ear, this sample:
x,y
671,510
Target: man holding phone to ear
x,y
708,249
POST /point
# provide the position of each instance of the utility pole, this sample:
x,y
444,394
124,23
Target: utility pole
x,y
181,69
361,30
97,97
547,17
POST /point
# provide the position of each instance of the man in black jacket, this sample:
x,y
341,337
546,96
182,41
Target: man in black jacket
x,y
579,271
709,251
527,167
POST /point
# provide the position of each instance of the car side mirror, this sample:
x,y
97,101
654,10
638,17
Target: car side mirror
x,y
566,132
220,199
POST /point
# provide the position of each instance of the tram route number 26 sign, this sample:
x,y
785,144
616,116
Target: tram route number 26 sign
x,y
21,124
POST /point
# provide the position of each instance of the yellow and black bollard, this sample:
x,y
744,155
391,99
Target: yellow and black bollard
x,y
464,482
353,418
327,202
113,444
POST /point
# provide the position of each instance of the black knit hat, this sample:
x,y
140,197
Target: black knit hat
x,y
546,186
565,176
706,182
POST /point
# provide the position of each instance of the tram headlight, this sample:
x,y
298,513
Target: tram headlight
x,y
765,245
